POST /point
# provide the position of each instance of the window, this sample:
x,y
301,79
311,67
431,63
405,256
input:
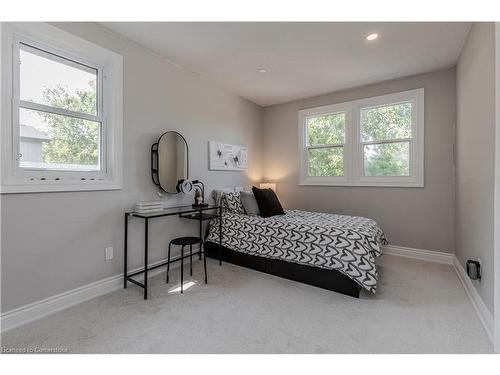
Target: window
x,y
63,127
325,144
369,142
386,137
58,111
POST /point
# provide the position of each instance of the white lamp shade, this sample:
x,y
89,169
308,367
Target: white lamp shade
x,y
268,185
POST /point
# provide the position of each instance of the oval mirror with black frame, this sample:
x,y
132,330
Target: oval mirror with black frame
x,y
170,162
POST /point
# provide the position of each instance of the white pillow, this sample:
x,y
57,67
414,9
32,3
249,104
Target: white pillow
x,y
217,194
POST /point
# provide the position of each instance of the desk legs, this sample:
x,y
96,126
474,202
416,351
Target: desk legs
x,y
220,236
205,263
128,277
201,238
146,235
125,253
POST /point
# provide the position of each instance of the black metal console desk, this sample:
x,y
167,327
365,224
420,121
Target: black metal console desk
x,y
187,212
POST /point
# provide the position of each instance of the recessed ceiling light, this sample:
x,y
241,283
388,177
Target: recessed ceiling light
x,y
372,36
262,71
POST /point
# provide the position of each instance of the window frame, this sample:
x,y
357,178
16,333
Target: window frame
x,y
109,66
354,146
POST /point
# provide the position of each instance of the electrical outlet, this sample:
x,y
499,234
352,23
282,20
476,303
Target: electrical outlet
x,y
108,253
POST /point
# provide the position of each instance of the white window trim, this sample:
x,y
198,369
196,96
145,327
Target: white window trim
x,y
353,147
52,39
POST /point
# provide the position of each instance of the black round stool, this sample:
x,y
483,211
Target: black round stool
x,y
185,241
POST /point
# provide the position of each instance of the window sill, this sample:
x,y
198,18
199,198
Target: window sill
x,y
60,186
386,183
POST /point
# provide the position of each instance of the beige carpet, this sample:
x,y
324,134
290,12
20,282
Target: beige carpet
x,y
420,307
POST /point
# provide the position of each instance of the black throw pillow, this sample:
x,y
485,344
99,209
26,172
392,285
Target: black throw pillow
x,y
268,202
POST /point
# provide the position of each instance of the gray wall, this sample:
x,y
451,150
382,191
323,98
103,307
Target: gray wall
x,y
413,217
475,154
54,242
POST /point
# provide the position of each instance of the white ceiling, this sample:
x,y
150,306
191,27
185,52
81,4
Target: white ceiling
x,y
301,59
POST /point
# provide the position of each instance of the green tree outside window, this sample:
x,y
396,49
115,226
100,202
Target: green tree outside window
x,y
73,140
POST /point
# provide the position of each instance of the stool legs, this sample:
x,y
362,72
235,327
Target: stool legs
x,y
202,250
168,259
191,260
182,268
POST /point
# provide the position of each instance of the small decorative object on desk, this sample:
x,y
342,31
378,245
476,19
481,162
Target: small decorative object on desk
x,y
148,207
199,194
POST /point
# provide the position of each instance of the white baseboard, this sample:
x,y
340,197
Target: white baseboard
x,y
34,311
37,310
482,311
408,252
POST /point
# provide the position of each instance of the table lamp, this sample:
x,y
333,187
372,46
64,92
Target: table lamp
x,y
268,185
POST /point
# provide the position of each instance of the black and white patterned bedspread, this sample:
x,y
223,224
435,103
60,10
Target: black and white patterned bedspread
x,y
348,244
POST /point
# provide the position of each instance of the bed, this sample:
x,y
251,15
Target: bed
x,y
335,252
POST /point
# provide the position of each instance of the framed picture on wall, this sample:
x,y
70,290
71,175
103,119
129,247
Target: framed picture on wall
x,y
227,157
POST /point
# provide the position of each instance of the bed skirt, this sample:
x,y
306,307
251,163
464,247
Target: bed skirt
x,y
320,277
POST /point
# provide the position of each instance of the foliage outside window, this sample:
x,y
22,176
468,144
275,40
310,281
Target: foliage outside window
x,y
386,135
326,135
369,142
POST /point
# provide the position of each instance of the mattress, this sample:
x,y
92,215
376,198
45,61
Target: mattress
x,y
348,244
